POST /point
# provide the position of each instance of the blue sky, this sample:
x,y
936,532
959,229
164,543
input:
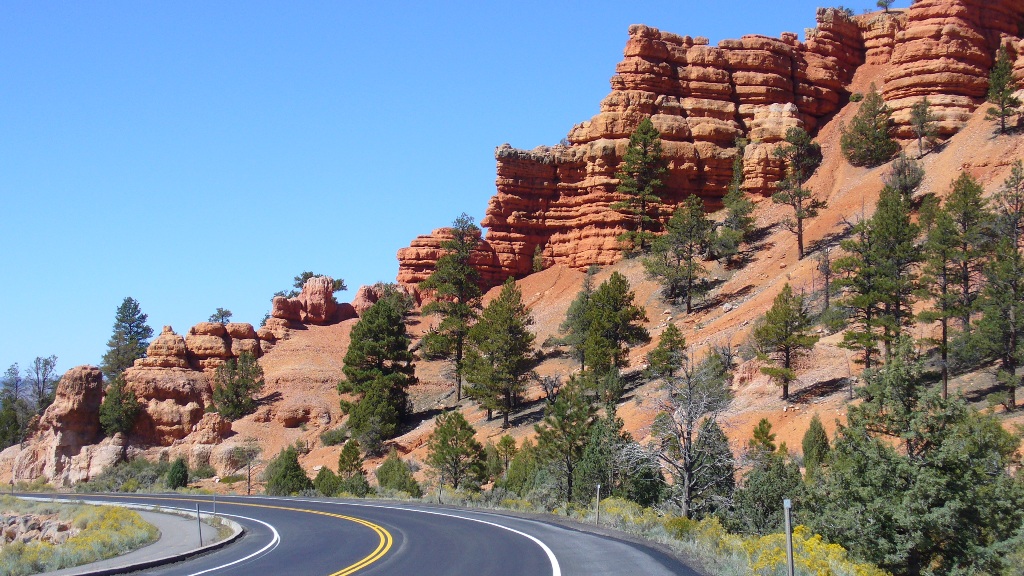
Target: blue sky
x,y
196,155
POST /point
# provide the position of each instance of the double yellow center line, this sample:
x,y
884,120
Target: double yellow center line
x,y
383,546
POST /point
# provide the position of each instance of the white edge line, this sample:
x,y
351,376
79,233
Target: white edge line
x,y
556,570
274,542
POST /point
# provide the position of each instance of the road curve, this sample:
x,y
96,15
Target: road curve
x,y
342,537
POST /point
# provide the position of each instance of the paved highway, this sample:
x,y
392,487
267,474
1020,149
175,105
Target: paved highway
x,y
317,537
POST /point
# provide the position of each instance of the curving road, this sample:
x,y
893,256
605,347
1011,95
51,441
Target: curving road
x,y
306,536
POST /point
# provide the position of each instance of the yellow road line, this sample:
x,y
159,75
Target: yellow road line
x,y
385,544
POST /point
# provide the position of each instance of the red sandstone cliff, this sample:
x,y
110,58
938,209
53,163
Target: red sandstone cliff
x,y
702,98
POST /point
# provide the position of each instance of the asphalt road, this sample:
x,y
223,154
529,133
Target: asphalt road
x,y
317,537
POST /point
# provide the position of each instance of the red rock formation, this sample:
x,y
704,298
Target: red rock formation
x,y
701,98
62,448
314,305
945,54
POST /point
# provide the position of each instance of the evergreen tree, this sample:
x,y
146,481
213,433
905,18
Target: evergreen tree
x,y
905,177
1001,90
285,476
455,283
576,325
676,255
866,141
394,474
938,284
299,281
118,411
500,355
562,436
640,180
1002,317
221,315
378,366
772,477
827,272
923,123
10,426
861,278
613,323
801,158
897,256
522,469
129,340
669,355
604,462
784,335
326,482
235,386
738,224
42,379
701,469
506,451
815,447
177,475
762,440
351,476
971,217
454,453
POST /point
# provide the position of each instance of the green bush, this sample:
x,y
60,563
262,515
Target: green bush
x,y
394,474
201,472
866,141
284,474
132,476
232,478
333,437
177,476
856,97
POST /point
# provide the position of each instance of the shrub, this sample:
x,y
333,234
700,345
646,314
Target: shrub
x,y
326,482
284,474
333,437
235,383
395,474
132,476
177,476
232,478
201,472
866,141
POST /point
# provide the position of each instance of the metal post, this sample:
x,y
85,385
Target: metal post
x,y
199,523
787,505
440,484
215,503
598,504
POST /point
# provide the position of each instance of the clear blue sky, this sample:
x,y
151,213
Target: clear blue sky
x,y
200,154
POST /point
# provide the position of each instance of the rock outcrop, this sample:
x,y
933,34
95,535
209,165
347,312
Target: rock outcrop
x,y
63,447
702,98
314,305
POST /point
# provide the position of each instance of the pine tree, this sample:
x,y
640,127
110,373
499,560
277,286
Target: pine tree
x,y
866,141
599,463
500,357
613,323
640,179
971,217
285,476
235,386
562,436
455,283
221,315
454,453
860,278
938,284
1002,320
118,411
129,340
676,255
897,255
378,366
784,335
351,476
506,450
923,123
1001,90
521,472
576,325
738,224
815,447
41,378
756,503
801,157
669,355
326,482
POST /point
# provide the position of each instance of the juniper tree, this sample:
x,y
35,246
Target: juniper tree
x,y
576,325
669,355
772,477
783,335
118,411
395,474
922,122
129,340
801,157
1001,90
454,453
500,357
866,141
177,475
455,283
640,180
299,281
815,447
676,256
285,476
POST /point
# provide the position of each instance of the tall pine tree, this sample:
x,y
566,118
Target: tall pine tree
x,y
677,255
129,340
801,157
640,180
1001,90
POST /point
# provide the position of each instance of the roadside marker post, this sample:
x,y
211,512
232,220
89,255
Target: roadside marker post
x,y
787,506
199,523
598,505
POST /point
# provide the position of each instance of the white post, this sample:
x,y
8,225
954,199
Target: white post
x,y
598,504
787,505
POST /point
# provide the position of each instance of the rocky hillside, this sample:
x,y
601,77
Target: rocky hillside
x,y
558,198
